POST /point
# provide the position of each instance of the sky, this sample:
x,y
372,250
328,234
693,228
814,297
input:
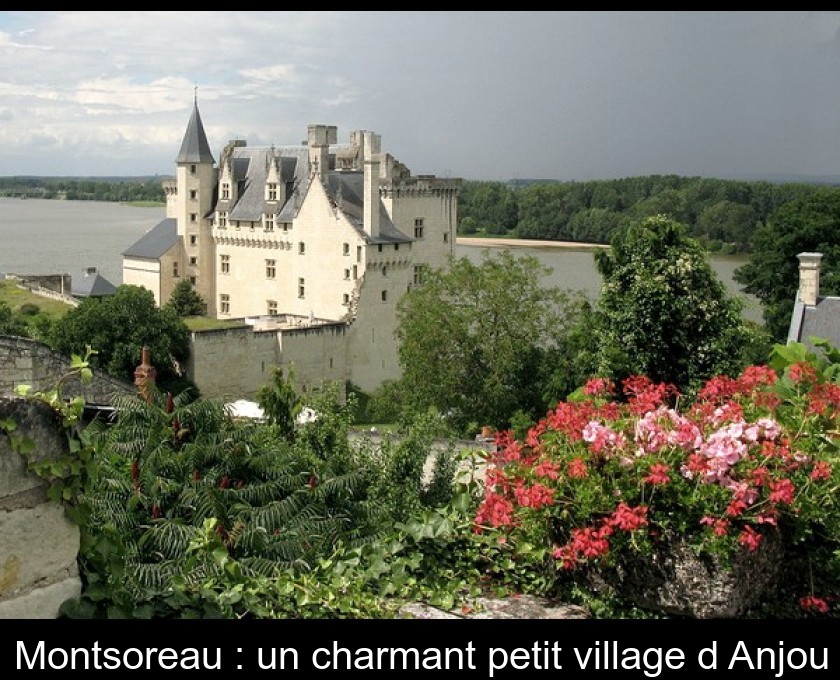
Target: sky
x,y
567,95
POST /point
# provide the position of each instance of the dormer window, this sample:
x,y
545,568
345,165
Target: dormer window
x,y
271,191
269,222
225,191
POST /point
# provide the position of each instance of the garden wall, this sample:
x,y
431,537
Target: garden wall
x,y
38,543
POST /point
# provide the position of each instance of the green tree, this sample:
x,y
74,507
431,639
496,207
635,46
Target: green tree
x,y
281,402
663,312
118,326
12,324
806,224
473,338
185,300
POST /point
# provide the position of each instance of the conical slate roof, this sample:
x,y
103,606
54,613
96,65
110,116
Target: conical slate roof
x,y
194,148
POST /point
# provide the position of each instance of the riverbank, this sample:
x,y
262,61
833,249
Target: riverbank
x,y
490,242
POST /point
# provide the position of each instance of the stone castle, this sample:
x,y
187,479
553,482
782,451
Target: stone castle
x,y
310,247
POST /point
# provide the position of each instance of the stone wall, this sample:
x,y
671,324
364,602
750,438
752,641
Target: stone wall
x,y
38,543
24,361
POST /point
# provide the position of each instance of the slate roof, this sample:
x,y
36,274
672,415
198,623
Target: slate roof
x,y
92,285
155,242
249,166
194,148
821,320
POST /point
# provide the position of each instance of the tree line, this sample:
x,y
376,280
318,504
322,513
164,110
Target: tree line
x,y
117,189
723,215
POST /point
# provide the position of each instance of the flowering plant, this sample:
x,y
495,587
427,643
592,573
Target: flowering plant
x,y
611,471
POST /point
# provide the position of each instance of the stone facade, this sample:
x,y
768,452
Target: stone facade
x,y
322,232
38,543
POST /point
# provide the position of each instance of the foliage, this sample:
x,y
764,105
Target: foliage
x,y
12,324
119,326
662,311
280,402
185,300
473,336
752,456
124,189
808,224
716,211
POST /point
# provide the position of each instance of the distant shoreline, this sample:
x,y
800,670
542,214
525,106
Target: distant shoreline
x,y
525,243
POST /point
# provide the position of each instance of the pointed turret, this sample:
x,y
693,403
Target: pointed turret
x,y
194,148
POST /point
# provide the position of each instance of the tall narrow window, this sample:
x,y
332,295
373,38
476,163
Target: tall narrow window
x,y
446,237
301,288
175,269
418,227
270,269
224,262
193,217
418,274
384,296
346,249
358,253
223,220
193,239
225,191
193,194
301,247
271,194
272,307
224,303
269,222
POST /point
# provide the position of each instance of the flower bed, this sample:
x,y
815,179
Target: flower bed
x,y
638,486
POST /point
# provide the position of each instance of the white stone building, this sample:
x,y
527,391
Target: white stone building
x,y
311,246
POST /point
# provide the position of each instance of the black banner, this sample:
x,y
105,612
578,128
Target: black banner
x,y
475,648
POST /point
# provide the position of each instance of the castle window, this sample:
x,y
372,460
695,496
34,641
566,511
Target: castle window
x,y
446,237
396,246
418,228
301,288
193,280
225,263
285,227
301,248
379,248
193,194
418,274
193,217
384,296
192,169
384,271
272,307
225,191
193,239
224,303
271,191
355,272
223,218
346,299
269,222
175,269
270,269
346,249
193,261
358,253
346,273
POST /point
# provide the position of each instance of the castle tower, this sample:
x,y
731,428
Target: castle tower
x,y
196,184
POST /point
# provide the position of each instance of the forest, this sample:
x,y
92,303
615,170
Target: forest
x,y
721,214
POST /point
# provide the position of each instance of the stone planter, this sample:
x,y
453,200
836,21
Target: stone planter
x,y
676,580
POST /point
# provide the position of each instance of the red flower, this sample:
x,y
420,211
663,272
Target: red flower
x,y
750,538
576,468
822,470
782,491
629,519
811,603
658,474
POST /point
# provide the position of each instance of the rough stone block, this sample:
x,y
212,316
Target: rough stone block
x,y
41,603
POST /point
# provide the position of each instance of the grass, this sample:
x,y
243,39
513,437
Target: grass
x,y
205,323
47,308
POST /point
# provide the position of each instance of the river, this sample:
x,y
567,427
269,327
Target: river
x,y
39,236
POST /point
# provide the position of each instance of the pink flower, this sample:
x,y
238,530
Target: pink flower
x,y
658,474
810,603
750,538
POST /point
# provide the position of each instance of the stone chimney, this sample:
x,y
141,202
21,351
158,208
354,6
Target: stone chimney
x,y
809,277
318,140
144,376
372,157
